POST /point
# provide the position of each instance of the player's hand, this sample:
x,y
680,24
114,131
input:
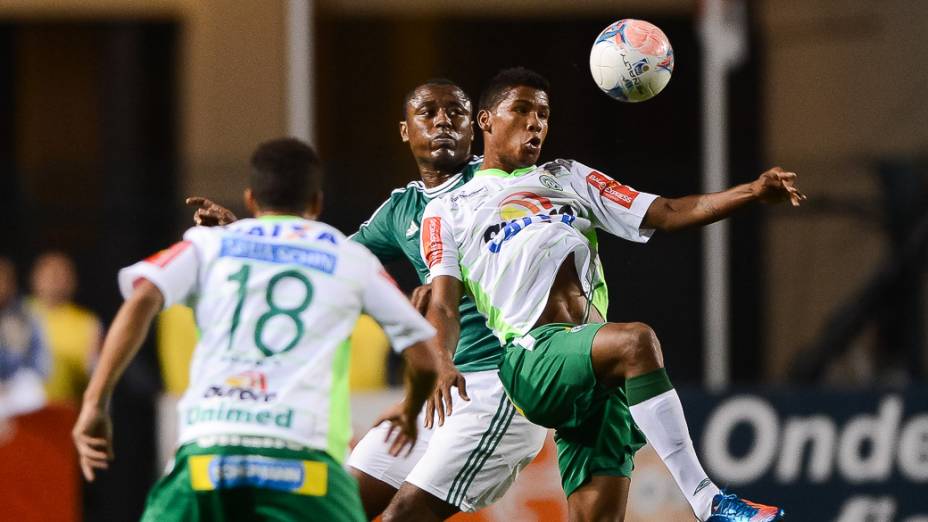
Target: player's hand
x,y
93,436
439,404
420,298
208,213
403,429
777,185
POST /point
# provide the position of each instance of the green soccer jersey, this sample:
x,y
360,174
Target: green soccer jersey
x,y
393,233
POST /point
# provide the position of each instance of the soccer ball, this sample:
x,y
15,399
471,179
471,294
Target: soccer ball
x,y
631,60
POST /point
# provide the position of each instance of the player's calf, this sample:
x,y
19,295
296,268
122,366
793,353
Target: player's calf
x,y
630,354
602,498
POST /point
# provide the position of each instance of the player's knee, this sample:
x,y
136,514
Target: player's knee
x,y
642,346
624,349
636,349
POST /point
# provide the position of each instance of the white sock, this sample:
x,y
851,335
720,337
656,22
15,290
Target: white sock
x,y
662,421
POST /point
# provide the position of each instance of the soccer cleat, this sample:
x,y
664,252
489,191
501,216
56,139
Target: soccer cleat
x,y
730,508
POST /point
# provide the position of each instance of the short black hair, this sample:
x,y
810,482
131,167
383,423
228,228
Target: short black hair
x,y
505,80
286,175
430,81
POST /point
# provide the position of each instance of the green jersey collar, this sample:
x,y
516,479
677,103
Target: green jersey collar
x,y
500,173
446,186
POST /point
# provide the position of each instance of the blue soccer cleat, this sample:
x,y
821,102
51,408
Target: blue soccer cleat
x,y
730,508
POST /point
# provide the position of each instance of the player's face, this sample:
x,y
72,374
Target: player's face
x,y
517,127
439,126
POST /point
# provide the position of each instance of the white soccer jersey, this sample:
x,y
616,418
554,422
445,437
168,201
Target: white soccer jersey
x,y
275,299
505,235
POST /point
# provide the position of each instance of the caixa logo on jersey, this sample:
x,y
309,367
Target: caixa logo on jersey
x,y
246,386
520,210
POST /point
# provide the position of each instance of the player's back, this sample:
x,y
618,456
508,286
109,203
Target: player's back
x,y
275,300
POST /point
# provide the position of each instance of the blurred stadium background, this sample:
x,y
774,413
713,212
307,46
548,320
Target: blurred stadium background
x,y
804,381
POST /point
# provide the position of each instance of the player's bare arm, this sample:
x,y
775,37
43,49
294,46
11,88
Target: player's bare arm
x,y
773,186
93,431
443,314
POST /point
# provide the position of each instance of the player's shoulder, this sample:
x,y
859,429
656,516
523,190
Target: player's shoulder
x,y
563,167
359,257
322,231
413,190
400,197
200,235
283,229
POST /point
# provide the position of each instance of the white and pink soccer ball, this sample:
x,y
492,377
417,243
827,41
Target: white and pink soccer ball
x,y
631,60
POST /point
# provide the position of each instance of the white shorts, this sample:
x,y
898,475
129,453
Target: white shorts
x,y
471,460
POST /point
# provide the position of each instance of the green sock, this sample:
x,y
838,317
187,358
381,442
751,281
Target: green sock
x,y
645,386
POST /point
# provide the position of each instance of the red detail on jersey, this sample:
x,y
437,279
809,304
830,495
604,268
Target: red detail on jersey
x,y
541,200
431,241
388,277
523,203
612,189
162,258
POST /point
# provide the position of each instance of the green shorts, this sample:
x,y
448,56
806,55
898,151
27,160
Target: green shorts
x,y
237,483
548,375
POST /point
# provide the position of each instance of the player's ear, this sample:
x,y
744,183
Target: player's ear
x,y
483,120
250,202
404,132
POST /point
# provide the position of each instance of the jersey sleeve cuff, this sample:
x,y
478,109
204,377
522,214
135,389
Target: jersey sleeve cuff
x,y
128,276
444,271
640,209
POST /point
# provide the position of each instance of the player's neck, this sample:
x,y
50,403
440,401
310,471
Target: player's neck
x,y
433,177
494,161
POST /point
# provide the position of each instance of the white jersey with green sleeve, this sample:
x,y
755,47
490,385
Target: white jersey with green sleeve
x,y
275,298
506,234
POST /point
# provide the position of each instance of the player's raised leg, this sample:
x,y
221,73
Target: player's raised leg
x,y
630,354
